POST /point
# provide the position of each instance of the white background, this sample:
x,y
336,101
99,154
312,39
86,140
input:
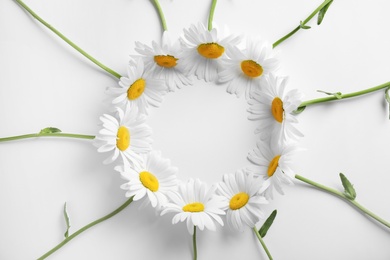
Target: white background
x,y
202,129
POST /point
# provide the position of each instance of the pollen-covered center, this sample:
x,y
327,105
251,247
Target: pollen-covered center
x,y
251,68
123,138
273,165
136,89
194,207
239,200
166,61
149,181
211,50
277,109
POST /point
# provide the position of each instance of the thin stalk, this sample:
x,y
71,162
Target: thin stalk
x,y
344,96
211,15
194,244
13,138
303,23
162,17
341,195
262,243
115,74
81,230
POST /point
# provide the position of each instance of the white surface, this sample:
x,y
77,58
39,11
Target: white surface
x,y
202,129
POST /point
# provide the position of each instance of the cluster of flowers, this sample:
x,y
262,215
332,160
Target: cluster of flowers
x,y
212,56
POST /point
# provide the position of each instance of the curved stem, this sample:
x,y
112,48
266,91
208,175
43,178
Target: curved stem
x,y
194,244
303,23
162,17
344,96
262,243
81,230
13,138
211,15
115,74
341,195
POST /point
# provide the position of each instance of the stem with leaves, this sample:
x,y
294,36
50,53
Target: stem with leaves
x,y
211,15
322,9
112,72
345,197
161,14
339,96
262,243
81,230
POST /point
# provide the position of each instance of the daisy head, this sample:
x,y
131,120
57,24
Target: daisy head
x,y
124,136
152,178
138,90
273,163
242,199
203,50
162,61
273,108
197,204
244,70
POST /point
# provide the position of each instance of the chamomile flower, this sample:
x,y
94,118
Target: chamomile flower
x,y
138,90
244,70
162,61
242,199
273,163
125,136
203,50
273,108
197,204
152,178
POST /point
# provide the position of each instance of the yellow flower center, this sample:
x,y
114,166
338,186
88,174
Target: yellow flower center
x,y
194,207
166,61
277,109
136,89
123,138
273,165
239,200
211,50
149,181
251,68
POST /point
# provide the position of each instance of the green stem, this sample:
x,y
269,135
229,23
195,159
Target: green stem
x,y
344,96
81,230
303,23
262,243
13,138
115,74
341,195
194,244
211,15
162,17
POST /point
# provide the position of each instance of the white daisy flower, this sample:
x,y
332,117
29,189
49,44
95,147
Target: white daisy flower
x,y
197,204
152,178
162,61
244,70
273,164
126,136
138,90
203,50
273,108
242,199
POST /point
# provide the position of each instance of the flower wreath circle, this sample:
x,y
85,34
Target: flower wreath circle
x,y
247,67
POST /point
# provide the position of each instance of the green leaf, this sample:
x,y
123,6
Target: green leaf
x,y
349,190
267,224
387,97
305,27
66,221
322,12
299,110
50,130
337,95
